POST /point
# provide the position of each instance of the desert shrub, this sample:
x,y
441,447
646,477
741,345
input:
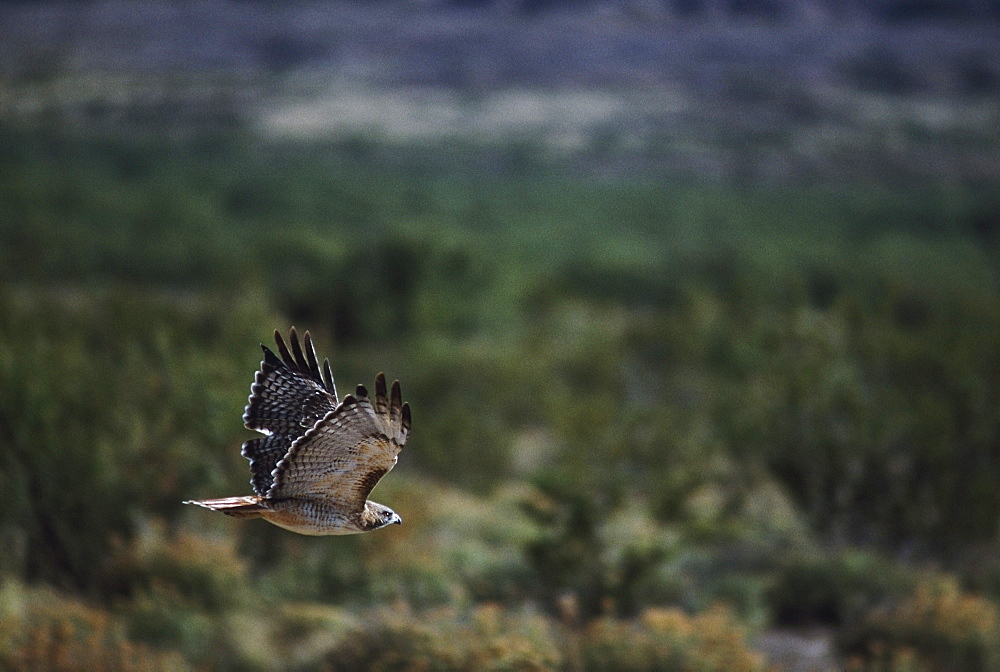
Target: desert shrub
x,y
290,568
264,635
46,631
300,634
451,549
733,536
205,572
115,405
939,627
865,412
162,619
835,588
668,639
485,638
594,547
447,379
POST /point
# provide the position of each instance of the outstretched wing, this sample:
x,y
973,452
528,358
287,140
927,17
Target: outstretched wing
x,y
289,395
342,458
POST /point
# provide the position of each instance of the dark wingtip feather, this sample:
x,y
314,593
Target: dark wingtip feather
x,y
328,379
361,392
406,417
311,359
270,357
381,397
286,357
300,359
395,400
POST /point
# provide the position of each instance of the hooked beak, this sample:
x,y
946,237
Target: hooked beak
x,y
395,520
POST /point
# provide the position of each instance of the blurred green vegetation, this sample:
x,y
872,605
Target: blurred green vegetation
x,y
635,400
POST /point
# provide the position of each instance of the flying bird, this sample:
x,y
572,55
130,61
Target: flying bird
x,y
319,457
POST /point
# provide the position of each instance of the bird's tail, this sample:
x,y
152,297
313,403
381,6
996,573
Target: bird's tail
x,y
237,507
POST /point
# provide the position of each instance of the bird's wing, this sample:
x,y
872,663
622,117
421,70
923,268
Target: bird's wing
x,y
342,458
288,396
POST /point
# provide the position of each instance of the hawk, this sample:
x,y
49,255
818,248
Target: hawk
x,y
319,457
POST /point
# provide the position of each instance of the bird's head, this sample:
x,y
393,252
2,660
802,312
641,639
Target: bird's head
x,y
380,515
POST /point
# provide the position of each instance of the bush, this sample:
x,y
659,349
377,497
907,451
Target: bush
x,y
201,571
592,546
452,548
939,628
485,638
668,639
114,405
835,589
45,631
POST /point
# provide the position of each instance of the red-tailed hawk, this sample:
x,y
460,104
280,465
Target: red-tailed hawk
x,y
319,458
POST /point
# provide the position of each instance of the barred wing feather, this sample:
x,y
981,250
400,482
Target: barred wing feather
x,y
346,453
289,396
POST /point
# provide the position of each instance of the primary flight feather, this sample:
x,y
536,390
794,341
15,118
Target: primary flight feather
x,y
319,457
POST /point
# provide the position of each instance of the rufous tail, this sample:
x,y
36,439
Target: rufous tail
x,y
237,507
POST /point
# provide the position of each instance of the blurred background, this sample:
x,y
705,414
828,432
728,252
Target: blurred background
x,y
696,303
